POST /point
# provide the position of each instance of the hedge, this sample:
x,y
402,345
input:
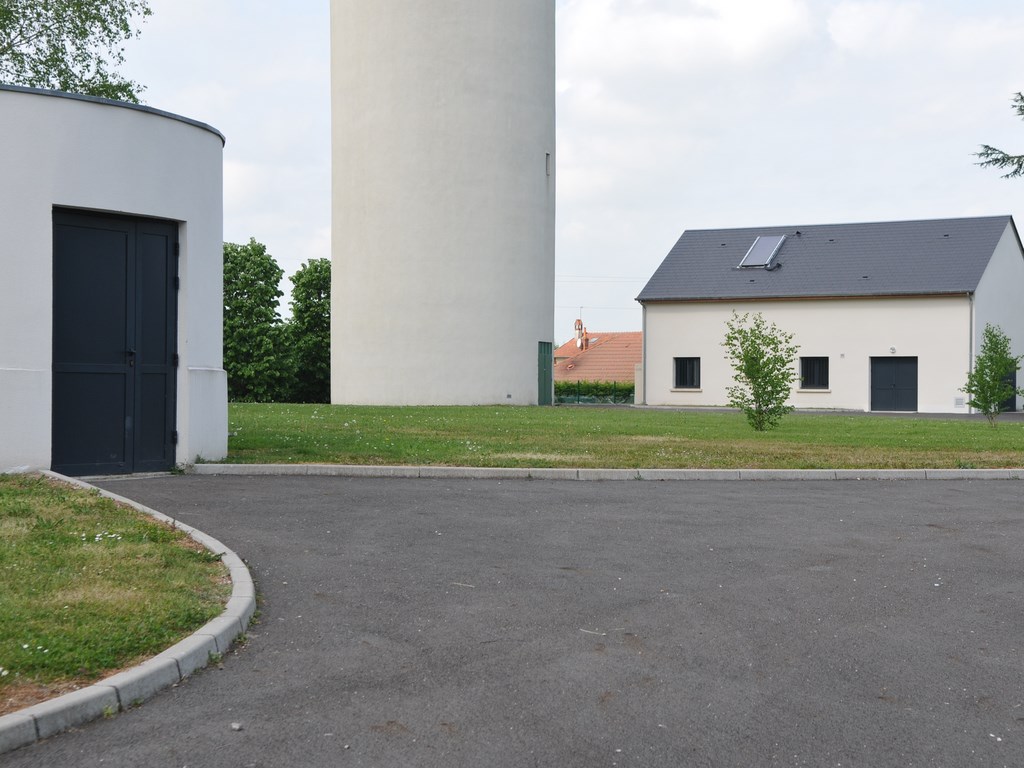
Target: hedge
x,y
594,391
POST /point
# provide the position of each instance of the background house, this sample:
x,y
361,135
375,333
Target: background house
x,y
888,316
111,302
599,356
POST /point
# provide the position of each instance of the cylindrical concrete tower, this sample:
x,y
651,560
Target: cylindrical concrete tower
x,y
443,201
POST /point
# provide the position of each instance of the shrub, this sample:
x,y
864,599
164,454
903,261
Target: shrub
x,y
594,391
990,384
762,358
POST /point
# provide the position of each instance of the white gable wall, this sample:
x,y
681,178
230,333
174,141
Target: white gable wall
x,y
1000,296
936,330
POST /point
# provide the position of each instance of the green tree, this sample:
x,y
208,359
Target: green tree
x,y
69,45
762,357
255,352
309,332
996,158
990,384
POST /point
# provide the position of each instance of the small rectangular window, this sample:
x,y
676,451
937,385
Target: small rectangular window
x,y
687,373
813,373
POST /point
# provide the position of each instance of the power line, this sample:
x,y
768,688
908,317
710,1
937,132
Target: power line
x,y
587,306
598,279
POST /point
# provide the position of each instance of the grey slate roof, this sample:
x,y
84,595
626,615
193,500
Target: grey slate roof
x,y
896,258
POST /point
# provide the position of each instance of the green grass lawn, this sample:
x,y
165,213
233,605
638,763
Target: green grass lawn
x,y
88,586
508,436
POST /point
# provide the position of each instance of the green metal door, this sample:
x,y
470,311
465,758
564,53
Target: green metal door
x,y
545,382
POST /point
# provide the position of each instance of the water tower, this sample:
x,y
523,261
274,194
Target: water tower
x,y
443,201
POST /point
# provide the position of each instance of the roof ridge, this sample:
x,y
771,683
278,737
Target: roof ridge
x,y
1004,216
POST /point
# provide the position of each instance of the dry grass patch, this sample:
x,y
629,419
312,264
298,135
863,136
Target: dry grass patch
x,y
535,459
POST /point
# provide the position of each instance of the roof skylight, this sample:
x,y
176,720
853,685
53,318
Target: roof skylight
x,y
763,251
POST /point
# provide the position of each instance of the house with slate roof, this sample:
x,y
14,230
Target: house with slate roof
x,y
888,316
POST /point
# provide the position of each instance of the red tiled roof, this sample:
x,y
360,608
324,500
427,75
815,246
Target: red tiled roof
x,y
610,357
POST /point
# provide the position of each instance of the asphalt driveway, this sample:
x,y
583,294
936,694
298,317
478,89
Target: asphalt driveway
x,y
546,623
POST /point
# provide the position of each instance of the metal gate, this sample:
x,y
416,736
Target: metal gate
x,y
114,343
893,383
545,376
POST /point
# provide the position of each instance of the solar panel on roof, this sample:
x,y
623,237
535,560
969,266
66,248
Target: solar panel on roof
x,y
763,251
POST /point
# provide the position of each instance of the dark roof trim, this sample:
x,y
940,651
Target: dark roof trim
x,y
113,103
805,297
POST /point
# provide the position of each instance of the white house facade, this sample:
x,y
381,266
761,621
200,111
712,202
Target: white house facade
x,y
111,300
887,316
443,201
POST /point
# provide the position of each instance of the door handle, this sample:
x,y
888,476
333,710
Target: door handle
x,y
131,356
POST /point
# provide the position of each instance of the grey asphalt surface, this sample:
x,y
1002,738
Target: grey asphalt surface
x,y
547,623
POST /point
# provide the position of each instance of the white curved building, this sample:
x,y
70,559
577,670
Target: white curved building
x,y
111,298
443,201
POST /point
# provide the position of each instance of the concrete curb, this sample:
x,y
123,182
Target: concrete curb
x,y
521,473
133,686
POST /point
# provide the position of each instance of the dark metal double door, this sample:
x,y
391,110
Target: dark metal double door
x,y
114,343
893,383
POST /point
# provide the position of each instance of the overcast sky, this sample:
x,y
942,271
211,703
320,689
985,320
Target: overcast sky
x,y
672,115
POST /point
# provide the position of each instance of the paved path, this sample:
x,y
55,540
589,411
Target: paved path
x,y
544,623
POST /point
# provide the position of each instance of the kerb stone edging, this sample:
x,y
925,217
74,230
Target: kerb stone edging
x,y
133,686
523,473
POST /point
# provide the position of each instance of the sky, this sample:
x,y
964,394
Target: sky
x,y
671,115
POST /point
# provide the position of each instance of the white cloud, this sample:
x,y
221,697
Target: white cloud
x,y
622,37
906,30
876,27
716,114
672,114
259,72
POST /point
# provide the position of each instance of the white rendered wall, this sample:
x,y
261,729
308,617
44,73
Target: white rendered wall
x,y
999,296
937,331
61,151
443,200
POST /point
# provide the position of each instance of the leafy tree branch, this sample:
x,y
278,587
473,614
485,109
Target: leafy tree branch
x,y
990,157
70,45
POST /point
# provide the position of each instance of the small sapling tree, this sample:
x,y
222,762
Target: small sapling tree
x,y
762,358
990,384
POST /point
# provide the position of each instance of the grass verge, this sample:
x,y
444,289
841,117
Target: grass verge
x,y
88,587
508,436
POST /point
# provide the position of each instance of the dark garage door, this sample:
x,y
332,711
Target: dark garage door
x,y
114,319
893,383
